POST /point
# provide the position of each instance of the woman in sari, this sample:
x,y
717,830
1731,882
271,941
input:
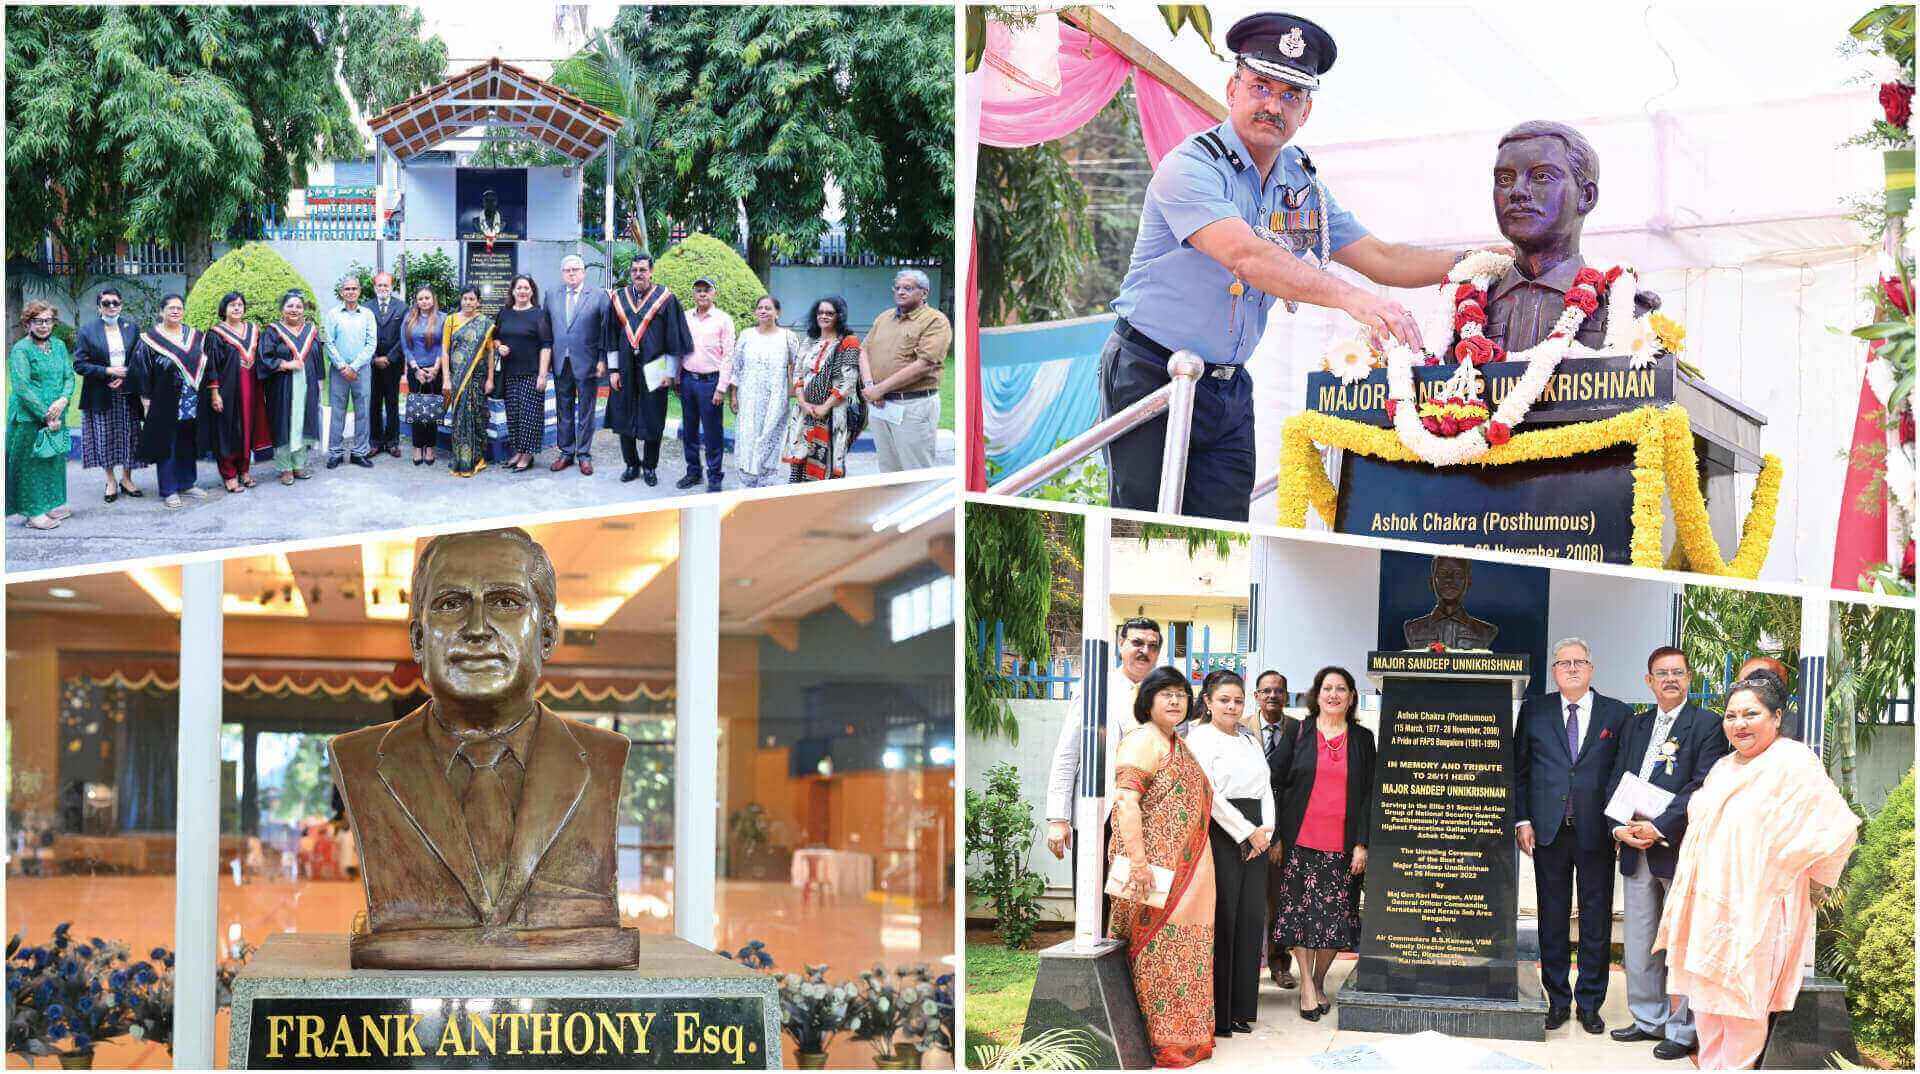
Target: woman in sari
x,y
1739,918
466,371
289,371
1162,805
39,384
829,413
760,391
240,428
422,337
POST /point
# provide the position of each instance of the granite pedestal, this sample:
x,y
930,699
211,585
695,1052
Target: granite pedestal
x,y
297,1004
1818,1028
1091,989
1439,945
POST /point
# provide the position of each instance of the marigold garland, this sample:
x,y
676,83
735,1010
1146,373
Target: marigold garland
x,y
1665,468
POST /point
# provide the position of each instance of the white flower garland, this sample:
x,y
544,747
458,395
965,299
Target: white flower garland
x,y
1625,335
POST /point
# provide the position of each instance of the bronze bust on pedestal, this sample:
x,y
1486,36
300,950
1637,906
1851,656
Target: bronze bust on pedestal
x,y
485,822
1448,623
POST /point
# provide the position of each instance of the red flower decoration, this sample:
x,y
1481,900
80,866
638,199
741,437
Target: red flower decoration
x,y
1393,408
1613,275
1479,350
1497,433
1900,298
1906,426
1584,298
1897,99
1433,359
1469,312
1590,277
1468,423
1465,292
1449,426
1436,647
1906,563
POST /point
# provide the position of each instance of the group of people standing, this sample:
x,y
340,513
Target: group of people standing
x,y
1237,837
168,394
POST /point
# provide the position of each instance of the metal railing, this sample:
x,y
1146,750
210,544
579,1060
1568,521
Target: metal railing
x,y
1175,400
1032,679
135,259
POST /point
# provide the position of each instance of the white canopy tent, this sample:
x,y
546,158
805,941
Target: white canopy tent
x,y
1722,179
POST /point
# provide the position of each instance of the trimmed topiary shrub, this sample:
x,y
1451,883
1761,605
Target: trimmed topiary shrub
x,y
1876,933
736,288
255,271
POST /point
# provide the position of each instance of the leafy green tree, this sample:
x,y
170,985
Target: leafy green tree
x,y
1010,580
1030,219
384,56
608,76
176,123
736,288
1870,660
1721,625
761,108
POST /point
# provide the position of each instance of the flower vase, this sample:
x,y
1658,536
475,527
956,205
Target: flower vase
x,y
896,1061
76,1060
910,1055
812,1060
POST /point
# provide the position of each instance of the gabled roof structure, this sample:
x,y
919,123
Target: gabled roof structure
x,y
495,94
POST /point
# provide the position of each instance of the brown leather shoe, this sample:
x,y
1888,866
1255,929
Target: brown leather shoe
x,y
560,464
586,467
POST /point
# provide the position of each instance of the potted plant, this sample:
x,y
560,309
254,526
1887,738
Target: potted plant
x,y
812,1012
883,1009
929,1025
67,996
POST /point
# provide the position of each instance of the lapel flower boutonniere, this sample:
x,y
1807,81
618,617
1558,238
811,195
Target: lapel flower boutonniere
x,y
1669,750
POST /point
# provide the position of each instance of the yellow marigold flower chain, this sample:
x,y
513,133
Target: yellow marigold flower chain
x,y
1665,468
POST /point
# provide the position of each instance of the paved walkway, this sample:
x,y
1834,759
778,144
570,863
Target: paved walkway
x,y
348,500
1282,1040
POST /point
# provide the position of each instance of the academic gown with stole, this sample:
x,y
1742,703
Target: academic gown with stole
x,y
278,346
158,363
643,328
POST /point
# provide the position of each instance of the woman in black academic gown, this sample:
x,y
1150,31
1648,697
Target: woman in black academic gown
x,y
289,367
176,377
233,343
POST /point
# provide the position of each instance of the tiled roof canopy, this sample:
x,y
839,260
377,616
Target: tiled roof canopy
x,y
495,94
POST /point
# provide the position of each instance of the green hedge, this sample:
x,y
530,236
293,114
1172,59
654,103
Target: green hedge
x,y
736,290
1877,930
258,273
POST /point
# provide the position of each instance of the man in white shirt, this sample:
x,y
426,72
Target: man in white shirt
x,y
1139,640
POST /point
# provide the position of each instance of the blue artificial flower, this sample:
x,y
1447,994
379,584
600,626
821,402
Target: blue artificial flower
x,y
83,951
54,1011
157,954
70,968
57,1031
98,942
82,1042
62,927
85,1006
117,979
143,973
44,994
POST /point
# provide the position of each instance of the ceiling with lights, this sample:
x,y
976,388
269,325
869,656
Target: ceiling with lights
x,y
780,559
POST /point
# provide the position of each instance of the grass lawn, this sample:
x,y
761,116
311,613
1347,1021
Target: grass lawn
x,y
947,396
999,982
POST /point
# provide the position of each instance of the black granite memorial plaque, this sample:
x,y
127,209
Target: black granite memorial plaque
x,y
453,1033
1579,508
1440,892
492,271
1581,389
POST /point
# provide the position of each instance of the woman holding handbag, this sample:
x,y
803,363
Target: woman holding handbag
x,y
39,384
1161,872
421,337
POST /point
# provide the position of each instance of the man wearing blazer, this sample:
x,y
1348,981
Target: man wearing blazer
x,y
101,350
579,316
389,365
1564,750
484,821
1672,747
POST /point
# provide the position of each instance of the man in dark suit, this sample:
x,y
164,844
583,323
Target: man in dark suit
x,y
1270,694
579,316
1564,749
1672,747
101,350
389,365
485,821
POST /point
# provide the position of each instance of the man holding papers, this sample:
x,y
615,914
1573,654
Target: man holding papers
x,y
1663,759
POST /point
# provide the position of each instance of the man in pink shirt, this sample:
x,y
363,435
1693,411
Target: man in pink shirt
x,y
704,378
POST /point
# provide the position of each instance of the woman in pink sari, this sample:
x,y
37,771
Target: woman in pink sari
x,y
1162,803
1767,835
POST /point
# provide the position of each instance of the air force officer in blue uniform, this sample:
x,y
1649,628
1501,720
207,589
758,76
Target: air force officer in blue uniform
x,y
1234,220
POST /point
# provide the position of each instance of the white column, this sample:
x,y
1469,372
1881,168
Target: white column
x,y
1816,615
379,205
1096,633
1263,582
696,707
606,219
197,853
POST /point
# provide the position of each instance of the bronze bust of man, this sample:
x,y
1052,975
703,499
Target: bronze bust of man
x,y
1546,179
485,822
1448,623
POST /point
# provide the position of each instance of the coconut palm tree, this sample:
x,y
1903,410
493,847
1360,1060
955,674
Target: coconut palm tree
x,y
606,76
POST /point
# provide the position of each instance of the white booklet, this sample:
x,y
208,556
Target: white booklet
x,y
656,373
1122,868
1637,799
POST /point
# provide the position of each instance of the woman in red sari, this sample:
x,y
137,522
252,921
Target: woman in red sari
x,y
240,426
1162,803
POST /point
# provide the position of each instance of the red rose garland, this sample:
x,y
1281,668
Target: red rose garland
x,y
1896,98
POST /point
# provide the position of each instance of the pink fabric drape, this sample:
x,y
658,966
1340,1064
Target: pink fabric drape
x,y
1013,116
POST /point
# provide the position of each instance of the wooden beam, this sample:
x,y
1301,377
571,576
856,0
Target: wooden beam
x,y
783,632
940,550
856,601
1136,52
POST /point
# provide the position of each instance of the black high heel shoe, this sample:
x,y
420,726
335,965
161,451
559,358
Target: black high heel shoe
x,y
1311,1014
